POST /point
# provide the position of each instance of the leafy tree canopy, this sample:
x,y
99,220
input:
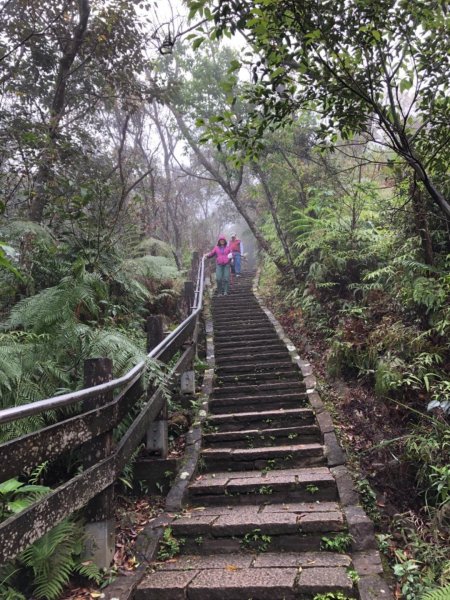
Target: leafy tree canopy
x,y
374,69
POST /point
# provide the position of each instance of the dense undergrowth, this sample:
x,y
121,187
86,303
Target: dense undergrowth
x,y
63,300
380,315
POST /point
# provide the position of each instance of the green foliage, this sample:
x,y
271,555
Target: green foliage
x,y
52,560
407,572
339,543
169,546
256,540
96,308
368,499
428,448
46,566
342,83
15,496
331,596
442,593
353,575
265,490
422,563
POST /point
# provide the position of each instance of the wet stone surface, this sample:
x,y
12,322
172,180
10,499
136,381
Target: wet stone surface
x,y
252,530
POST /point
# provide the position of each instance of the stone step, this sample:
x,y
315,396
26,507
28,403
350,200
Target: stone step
x,y
241,327
235,349
249,529
261,389
255,378
249,338
267,576
238,318
260,437
256,403
235,300
251,311
255,366
282,456
284,485
244,333
239,422
246,310
261,356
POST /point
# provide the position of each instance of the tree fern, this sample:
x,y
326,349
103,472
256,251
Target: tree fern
x,y
65,302
154,247
157,267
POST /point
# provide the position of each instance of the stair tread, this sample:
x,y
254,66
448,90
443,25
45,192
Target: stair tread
x,y
247,358
230,481
238,583
312,449
266,386
245,434
267,414
241,522
268,559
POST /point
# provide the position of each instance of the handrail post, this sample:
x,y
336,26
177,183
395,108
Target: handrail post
x,y
155,331
194,265
100,526
158,432
189,295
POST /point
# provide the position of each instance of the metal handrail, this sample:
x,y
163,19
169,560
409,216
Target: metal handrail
x,y
26,410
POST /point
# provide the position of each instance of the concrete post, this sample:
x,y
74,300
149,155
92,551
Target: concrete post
x,y
158,434
187,382
100,526
157,438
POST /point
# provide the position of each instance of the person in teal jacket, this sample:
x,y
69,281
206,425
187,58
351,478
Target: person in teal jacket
x,y
222,252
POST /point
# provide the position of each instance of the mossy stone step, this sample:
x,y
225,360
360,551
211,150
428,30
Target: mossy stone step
x,y
262,436
261,389
288,455
285,485
261,577
255,366
239,422
243,379
232,349
257,403
263,356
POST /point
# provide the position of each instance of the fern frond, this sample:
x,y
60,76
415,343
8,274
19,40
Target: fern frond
x,y
155,267
51,559
154,247
16,229
89,570
442,593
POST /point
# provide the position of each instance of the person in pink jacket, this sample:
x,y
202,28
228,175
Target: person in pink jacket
x,y
221,251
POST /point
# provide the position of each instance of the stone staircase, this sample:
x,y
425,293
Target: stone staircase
x,y
265,497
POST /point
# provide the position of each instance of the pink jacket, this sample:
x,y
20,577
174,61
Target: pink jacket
x,y
221,253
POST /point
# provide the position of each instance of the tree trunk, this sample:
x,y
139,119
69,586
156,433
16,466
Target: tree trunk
x,y
270,201
421,222
70,52
231,191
